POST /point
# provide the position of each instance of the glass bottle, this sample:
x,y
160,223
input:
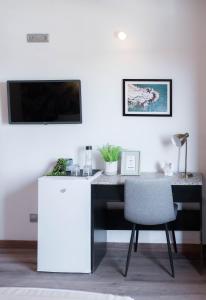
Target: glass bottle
x,y
87,170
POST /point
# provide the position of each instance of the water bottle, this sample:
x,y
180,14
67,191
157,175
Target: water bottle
x,y
87,170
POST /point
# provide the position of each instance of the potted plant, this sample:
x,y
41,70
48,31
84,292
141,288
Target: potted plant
x,y
59,168
110,155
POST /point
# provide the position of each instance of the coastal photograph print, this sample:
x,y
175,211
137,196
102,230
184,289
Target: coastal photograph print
x,y
147,97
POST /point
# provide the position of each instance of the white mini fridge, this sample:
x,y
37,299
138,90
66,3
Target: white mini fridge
x,y
64,224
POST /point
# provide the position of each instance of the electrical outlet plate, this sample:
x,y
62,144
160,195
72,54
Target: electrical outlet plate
x,y
37,37
33,218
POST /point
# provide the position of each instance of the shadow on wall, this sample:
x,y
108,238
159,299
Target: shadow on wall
x,y
201,117
3,103
25,200
18,205
167,143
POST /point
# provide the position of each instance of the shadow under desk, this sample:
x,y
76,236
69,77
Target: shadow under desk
x,y
108,208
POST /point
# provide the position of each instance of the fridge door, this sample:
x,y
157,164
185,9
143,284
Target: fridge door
x,y
64,225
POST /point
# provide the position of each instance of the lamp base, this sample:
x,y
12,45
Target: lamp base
x,y
186,176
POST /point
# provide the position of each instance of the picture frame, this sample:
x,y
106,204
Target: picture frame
x,y
130,162
147,97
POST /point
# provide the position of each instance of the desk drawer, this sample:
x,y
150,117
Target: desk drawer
x,y
181,193
190,193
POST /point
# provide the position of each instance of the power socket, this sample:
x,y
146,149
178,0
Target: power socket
x,y
37,38
33,218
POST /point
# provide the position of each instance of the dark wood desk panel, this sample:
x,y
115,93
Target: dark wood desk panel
x,y
98,227
187,193
108,217
186,219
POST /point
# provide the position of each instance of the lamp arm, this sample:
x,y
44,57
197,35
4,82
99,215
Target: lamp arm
x,y
186,159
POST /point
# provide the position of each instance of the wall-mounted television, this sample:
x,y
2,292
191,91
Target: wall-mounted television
x,y
44,102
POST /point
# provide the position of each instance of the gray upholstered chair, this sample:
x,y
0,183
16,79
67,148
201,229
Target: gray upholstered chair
x,y
149,202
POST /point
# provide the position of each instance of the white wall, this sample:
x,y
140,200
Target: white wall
x,y
163,42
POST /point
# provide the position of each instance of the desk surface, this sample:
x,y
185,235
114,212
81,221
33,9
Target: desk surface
x,y
175,179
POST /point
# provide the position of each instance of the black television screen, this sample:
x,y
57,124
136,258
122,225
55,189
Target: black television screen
x,y
44,101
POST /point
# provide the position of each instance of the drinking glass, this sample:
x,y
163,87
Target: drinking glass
x,y
87,170
75,170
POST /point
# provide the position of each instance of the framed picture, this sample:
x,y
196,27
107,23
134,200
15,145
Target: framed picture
x,y
130,162
147,97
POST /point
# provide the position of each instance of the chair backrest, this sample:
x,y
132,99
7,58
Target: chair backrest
x,y
148,202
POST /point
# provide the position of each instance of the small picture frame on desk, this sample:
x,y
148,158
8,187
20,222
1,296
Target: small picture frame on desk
x,y
130,162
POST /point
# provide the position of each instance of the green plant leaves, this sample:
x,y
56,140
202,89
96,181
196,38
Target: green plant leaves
x,y
59,169
110,153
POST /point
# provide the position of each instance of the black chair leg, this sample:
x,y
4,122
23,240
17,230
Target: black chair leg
x,y
169,250
174,240
136,240
130,249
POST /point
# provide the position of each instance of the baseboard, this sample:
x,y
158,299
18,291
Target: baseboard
x,y
182,248
18,244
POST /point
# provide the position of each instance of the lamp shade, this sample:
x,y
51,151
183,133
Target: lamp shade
x,y
179,139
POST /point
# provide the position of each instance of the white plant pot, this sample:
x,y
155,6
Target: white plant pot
x,y
111,168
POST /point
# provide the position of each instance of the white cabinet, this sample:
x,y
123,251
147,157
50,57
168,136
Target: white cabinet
x,y
64,224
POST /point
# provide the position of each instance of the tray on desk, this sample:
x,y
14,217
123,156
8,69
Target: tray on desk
x,y
94,171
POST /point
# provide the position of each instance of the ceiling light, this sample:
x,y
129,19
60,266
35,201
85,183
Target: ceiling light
x,y
122,35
